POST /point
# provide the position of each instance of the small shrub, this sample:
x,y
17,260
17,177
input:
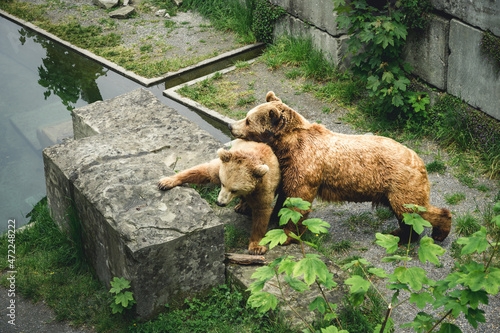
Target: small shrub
x,y
122,298
436,166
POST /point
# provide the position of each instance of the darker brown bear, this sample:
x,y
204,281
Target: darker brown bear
x,y
336,167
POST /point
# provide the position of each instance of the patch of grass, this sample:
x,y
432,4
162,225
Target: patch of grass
x,y
383,213
208,192
244,100
224,310
234,238
436,166
49,269
466,225
454,199
362,218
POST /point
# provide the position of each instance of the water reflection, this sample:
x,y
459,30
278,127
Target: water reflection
x,y
66,74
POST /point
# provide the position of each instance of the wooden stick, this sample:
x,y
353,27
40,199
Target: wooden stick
x,y
245,259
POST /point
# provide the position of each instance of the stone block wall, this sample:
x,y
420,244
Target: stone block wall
x,y
168,244
446,56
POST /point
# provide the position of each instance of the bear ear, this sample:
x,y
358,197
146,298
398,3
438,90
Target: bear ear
x,y
224,155
260,170
272,97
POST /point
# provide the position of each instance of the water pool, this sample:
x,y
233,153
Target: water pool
x,y
41,81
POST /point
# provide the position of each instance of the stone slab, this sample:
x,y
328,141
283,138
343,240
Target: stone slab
x,y
318,13
471,76
427,51
484,14
169,244
54,134
334,48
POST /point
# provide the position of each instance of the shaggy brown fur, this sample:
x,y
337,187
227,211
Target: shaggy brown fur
x,y
249,170
336,167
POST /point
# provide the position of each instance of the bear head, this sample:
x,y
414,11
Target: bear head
x,y
239,174
268,121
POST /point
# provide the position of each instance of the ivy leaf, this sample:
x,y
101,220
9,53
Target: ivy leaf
x,y
478,279
318,303
262,301
414,276
476,242
421,299
287,214
387,77
373,83
317,226
119,284
389,242
423,322
296,284
416,221
310,267
428,251
328,283
275,237
116,308
264,273
397,100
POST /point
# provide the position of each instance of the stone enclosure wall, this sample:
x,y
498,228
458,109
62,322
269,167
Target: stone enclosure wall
x,y
447,56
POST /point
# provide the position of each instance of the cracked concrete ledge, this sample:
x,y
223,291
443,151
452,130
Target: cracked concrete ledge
x,y
171,78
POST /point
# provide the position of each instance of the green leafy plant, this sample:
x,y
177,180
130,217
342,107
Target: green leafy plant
x,y
490,46
122,298
377,39
264,17
312,270
476,280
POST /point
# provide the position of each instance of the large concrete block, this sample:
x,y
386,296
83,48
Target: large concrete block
x,y
427,52
484,14
334,48
318,13
471,76
169,244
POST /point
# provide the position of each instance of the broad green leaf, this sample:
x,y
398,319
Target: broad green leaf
x,y
416,221
395,257
423,322
387,77
316,226
373,83
473,297
414,207
477,242
287,266
264,273
357,283
381,273
414,276
356,262
396,286
124,299
428,251
318,303
328,283
400,85
116,308
277,261
296,284
310,267
119,284
397,100
389,242
287,214
332,329
479,279
275,237
421,299
474,316
330,315
262,301
257,285
298,203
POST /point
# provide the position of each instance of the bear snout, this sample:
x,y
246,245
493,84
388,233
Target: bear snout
x,y
220,204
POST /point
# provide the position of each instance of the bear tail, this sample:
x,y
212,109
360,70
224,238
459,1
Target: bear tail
x,y
440,218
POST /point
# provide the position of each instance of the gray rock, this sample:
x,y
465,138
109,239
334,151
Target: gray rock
x,y
106,4
169,244
122,13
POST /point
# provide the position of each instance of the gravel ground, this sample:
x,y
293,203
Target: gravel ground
x,y
361,234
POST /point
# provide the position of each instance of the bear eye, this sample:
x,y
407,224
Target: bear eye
x,y
233,191
247,122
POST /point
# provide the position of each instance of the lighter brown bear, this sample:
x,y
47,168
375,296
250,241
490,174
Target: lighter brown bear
x,y
250,171
336,167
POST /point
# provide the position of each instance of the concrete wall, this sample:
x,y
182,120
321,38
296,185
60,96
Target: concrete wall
x,y
447,55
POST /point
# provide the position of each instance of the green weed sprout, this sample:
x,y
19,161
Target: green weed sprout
x,y
122,299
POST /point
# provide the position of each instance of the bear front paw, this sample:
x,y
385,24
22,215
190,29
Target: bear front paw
x,y
255,248
167,183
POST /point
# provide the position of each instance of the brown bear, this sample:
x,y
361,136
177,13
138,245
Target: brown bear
x,y
337,167
249,170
